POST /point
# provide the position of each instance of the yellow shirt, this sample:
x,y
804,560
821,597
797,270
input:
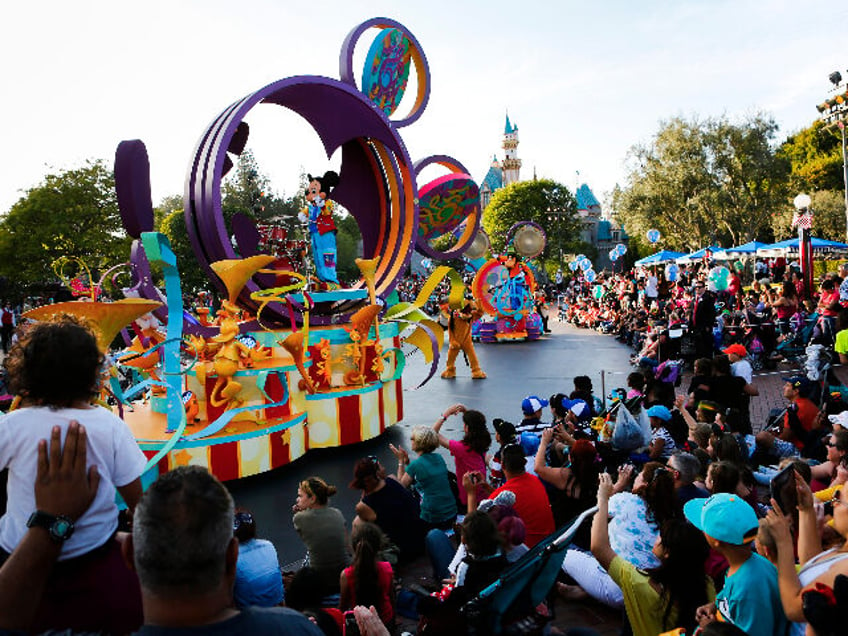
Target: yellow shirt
x,y
643,603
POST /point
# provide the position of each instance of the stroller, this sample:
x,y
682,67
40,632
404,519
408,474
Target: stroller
x,y
508,605
794,347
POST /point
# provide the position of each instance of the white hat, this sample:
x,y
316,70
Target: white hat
x,y
840,419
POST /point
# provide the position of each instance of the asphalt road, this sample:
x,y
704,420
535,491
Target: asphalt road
x,y
515,370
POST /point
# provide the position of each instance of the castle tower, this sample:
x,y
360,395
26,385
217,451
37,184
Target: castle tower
x,y
511,164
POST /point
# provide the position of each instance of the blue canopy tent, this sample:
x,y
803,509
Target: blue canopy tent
x,y
663,256
746,249
698,255
790,246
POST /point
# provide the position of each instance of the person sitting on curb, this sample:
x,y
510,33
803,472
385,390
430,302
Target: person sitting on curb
x,y
799,421
531,408
531,499
750,598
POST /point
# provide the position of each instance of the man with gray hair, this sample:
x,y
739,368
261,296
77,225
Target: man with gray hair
x,y
184,552
685,468
182,549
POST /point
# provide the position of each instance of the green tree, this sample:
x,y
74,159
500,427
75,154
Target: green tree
x,y
192,277
73,213
701,182
543,201
815,157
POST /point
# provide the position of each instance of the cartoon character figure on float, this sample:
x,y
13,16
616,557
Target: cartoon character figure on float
x,y
459,338
505,287
318,213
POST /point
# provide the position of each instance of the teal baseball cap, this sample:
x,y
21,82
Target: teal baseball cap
x,y
725,517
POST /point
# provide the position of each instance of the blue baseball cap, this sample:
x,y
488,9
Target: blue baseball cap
x,y
725,517
658,410
532,403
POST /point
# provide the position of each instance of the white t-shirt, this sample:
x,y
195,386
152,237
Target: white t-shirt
x,y
111,447
651,289
742,369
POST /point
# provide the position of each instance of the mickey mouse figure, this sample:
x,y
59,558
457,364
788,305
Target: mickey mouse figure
x,y
322,229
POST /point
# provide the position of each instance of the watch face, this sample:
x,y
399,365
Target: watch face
x,y
62,528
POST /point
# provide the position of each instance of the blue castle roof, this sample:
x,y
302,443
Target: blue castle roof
x,y
493,178
509,128
586,199
604,233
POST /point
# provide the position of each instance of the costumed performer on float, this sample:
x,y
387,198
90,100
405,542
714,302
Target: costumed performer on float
x,y
459,338
518,291
322,229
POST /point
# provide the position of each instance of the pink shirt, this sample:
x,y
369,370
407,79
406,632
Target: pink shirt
x,y
466,460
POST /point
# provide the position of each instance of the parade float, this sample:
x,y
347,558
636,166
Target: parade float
x,y
291,360
505,288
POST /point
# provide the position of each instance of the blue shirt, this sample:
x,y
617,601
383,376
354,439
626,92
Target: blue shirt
x,y
431,479
258,578
750,599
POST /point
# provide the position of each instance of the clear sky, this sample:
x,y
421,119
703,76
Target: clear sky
x,y
583,81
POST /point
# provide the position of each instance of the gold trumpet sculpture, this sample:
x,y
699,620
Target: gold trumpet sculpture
x,y
294,345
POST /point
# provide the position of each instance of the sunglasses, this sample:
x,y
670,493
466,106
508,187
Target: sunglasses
x,y
830,444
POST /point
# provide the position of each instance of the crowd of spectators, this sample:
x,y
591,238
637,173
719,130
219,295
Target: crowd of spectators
x,y
687,533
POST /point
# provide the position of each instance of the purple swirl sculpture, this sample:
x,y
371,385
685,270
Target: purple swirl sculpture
x,y
376,180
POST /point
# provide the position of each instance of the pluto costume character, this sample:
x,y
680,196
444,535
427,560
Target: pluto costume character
x,y
459,334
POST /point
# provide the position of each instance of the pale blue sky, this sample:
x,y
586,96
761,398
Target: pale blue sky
x,y
584,82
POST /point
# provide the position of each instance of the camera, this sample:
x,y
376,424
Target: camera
x,y
351,627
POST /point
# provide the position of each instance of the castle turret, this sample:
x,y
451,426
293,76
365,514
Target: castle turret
x,y
511,165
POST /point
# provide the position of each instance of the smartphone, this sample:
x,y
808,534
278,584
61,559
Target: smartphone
x,y
783,490
351,627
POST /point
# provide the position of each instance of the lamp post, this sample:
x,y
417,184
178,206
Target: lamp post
x,y
834,112
554,216
803,219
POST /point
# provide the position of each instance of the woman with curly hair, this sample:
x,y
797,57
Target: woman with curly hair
x,y
663,597
469,454
55,369
636,520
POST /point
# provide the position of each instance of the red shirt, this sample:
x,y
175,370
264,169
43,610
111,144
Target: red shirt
x,y
532,505
807,412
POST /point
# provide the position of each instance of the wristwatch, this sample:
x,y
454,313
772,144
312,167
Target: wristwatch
x,y
59,527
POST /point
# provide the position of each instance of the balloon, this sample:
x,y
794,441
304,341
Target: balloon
x,y
590,275
718,279
613,255
585,264
653,235
671,272
621,248
573,266
598,292
579,257
426,263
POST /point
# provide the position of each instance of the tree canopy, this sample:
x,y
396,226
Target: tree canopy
x,y
543,201
705,181
73,213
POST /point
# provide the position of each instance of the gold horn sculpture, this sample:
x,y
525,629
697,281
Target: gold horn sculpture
x,y
368,268
294,345
235,272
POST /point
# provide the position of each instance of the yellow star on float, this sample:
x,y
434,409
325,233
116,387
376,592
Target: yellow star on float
x,y
183,458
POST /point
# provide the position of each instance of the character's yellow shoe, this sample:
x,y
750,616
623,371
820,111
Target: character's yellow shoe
x,y
478,375
448,374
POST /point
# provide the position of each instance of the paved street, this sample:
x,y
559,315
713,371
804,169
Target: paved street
x,y
515,370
